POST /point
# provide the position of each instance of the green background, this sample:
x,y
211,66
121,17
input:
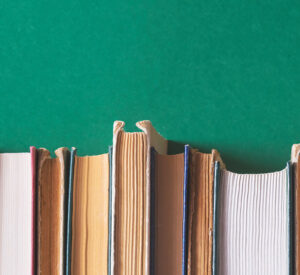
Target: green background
x,y
215,74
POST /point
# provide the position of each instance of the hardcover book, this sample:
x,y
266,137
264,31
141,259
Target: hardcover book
x,y
88,215
17,213
253,222
131,187
52,182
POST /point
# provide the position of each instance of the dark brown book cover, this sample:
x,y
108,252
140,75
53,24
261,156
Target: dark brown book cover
x,y
51,198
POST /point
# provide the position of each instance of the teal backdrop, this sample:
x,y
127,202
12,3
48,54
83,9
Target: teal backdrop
x,y
214,74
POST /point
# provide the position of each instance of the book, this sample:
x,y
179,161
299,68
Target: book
x,y
253,222
169,216
131,187
17,212
200,220
52,182
88,215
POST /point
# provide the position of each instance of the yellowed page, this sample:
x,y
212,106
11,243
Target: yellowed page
x,y
130,235
200,214
90,215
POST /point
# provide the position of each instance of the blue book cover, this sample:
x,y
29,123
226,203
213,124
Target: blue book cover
x,y
291,217
215,216
69,212
110,151
185,210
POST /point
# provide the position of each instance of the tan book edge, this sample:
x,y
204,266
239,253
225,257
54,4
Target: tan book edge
x,y
200,222
50,211
90,215
147,139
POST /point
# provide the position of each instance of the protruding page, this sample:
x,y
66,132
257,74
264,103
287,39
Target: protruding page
x,y
155,140
16,213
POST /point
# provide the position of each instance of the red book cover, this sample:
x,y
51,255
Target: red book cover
x,y
33,153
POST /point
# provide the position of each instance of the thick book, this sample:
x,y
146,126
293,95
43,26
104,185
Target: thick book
x,y
169,199
52,181
131,200
17,213
88,215
253,222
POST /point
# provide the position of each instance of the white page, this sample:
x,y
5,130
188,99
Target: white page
x,y
252,231
15,214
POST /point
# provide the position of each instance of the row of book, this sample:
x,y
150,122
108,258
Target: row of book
x,y
138,210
